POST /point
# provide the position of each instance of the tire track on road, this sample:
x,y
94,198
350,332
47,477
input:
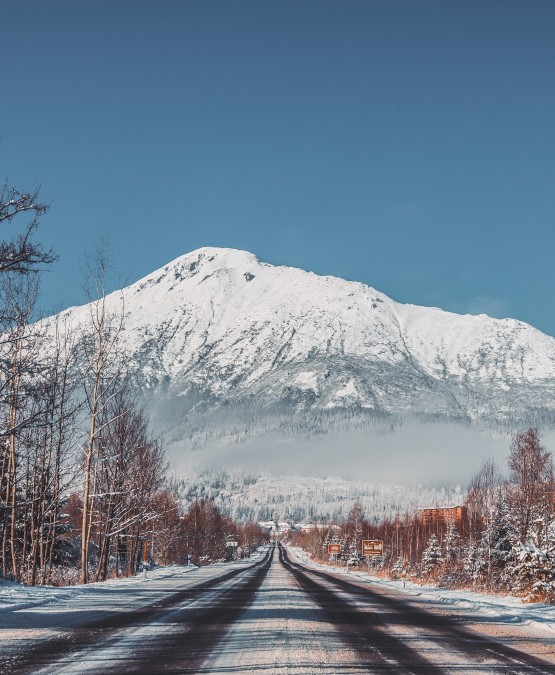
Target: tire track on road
x,y
186,650
478,650
194,643
380,651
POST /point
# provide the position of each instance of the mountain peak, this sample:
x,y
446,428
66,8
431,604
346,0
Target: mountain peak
x,y
214,256
223,340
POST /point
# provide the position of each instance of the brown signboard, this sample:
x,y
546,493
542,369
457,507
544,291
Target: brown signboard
x,y
334,548
372,547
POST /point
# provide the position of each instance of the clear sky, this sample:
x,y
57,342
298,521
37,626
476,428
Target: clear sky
x,y
406,144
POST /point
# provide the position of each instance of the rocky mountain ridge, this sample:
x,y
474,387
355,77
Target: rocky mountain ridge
x,y
227,347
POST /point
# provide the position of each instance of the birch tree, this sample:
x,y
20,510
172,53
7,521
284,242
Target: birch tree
x,y
17,366
50,451
102,371
483,501
131,470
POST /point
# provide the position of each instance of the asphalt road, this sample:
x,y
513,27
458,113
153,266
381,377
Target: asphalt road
x,y
276,616
392,635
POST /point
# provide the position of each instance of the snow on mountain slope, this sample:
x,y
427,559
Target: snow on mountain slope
x,y
224,344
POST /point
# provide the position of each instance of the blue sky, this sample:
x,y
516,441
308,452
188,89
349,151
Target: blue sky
x,y
409,145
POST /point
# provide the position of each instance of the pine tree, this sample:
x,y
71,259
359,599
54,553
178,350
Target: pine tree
x,y
431,558
397,568
472,563
452,545
503,537
533,570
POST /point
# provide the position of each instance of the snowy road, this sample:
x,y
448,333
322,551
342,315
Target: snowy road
x,y
167,625
273,616
393,635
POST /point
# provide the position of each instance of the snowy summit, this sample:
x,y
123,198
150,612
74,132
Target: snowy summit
x,y
220,341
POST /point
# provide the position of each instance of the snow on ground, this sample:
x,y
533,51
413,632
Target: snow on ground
x,y
30,614
536,618
15,596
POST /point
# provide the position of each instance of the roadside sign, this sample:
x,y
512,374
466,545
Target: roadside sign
x,y
232,544
334,549
372,547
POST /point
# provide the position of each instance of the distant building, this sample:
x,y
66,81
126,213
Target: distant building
x,y
274,526
307,527
442,514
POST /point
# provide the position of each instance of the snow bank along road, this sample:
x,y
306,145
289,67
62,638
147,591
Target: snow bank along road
x,y
269,616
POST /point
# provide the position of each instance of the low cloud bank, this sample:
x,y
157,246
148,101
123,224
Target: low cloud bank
x,y
411,454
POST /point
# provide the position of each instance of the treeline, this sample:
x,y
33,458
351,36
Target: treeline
x,y
83,486
170,535
306,499
504,543
200,535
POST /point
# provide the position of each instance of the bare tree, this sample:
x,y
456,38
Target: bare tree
x,y
353,530
102,373
131,469
166,541
531,473
205,528
483,501
17,365
21,254
18,356
50,448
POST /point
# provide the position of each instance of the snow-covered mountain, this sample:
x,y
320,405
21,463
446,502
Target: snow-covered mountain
x,y
225,346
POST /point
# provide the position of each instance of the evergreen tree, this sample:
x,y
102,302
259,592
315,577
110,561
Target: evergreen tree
x,y
397,568
431,558
452,541
472,563
503,537
533,569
